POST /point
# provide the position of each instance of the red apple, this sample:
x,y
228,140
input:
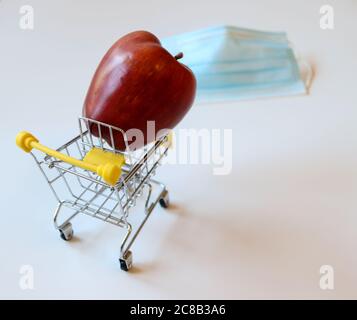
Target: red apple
x,y
139,81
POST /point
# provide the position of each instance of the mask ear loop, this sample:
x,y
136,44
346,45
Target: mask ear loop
x,y
303,62
309,73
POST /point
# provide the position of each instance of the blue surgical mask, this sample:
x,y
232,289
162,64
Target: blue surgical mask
x,y
233,63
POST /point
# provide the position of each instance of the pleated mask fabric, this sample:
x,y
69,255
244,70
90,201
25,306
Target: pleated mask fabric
x,y
232,63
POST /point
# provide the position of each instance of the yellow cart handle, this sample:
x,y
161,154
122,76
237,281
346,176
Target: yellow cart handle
x,y
109,172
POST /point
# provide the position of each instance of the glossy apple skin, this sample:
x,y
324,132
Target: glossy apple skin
x,y
139,81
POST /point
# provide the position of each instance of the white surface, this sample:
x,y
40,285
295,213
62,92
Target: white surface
x,y
263,231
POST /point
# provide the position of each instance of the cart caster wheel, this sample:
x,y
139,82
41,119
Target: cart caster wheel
x,y
164,201
66,232
126,261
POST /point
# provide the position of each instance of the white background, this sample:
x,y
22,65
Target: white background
x,y
288,207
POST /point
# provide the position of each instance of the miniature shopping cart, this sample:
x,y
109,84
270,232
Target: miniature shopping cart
x,y
89,175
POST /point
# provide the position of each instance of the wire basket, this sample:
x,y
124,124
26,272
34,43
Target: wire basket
x,y
89,175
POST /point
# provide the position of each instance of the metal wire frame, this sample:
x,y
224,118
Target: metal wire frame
x,y
87,193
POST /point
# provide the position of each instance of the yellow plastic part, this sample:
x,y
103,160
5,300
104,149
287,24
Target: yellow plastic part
x,y
170,138
106,164
24,140
98,157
